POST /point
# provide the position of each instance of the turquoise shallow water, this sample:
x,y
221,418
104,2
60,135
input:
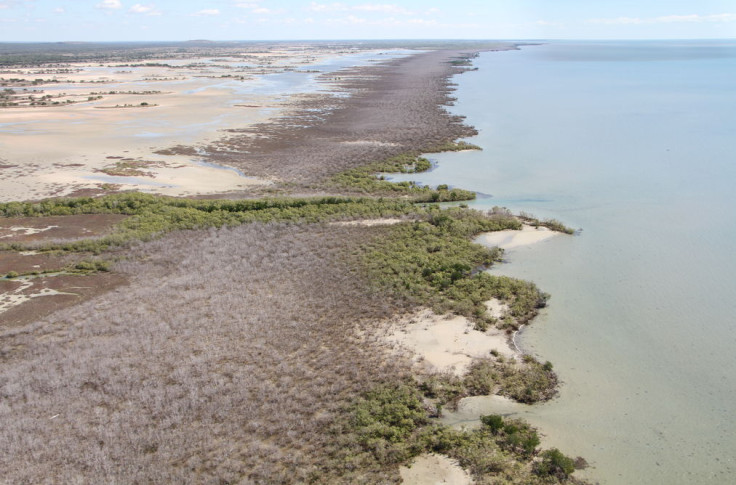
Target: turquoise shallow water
x,y
636,144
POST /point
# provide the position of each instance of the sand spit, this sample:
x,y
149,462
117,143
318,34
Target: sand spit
x,y
385,115
433,469
510,239
445,343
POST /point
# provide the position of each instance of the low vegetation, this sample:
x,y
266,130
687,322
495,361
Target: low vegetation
x,y
552,224
430,262
369,179
528,381
221,374
152,216
388,425
434,263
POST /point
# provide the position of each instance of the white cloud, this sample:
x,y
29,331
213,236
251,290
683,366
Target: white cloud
x,y
667,19
425,22
366,7
349,19
144,9
10,3
723,17
59,10
109,4
677,18
383,8
324,7
267,11
413,22
207,12
352,19
616,21
247,5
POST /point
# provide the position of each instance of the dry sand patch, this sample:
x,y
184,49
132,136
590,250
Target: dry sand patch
x,y
445,343
511,239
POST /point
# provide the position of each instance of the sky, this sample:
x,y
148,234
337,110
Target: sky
x,y
172,20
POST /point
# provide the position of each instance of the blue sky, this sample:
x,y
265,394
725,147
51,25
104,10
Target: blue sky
x,y
112,20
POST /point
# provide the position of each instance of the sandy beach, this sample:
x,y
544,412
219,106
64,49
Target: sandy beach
x,y
449,343
508,240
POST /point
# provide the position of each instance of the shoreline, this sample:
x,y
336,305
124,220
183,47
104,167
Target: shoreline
x,y
356,115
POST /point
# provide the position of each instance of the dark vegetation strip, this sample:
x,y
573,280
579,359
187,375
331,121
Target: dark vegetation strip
x,y
368,179
152,216
434,262
390,425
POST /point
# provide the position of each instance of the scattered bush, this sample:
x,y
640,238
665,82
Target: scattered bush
x,y
554,463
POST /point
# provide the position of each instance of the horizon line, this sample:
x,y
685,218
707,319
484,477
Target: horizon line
x,y
578,39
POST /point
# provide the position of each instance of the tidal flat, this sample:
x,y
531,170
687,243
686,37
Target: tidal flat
x,y
87,121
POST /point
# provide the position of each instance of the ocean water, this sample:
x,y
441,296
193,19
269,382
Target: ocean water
x,y
635,143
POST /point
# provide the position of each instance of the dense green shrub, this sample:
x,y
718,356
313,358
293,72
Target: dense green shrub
x,y
554,463
368,179
528,383
389,425
151,215
433,262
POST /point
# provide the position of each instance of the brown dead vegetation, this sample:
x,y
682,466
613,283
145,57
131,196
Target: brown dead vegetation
x,y
393,108
226,359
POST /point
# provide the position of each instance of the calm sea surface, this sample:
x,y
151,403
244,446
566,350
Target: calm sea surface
x,y
635,143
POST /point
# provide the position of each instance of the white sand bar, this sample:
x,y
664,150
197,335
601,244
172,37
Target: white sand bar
x,y
511,239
